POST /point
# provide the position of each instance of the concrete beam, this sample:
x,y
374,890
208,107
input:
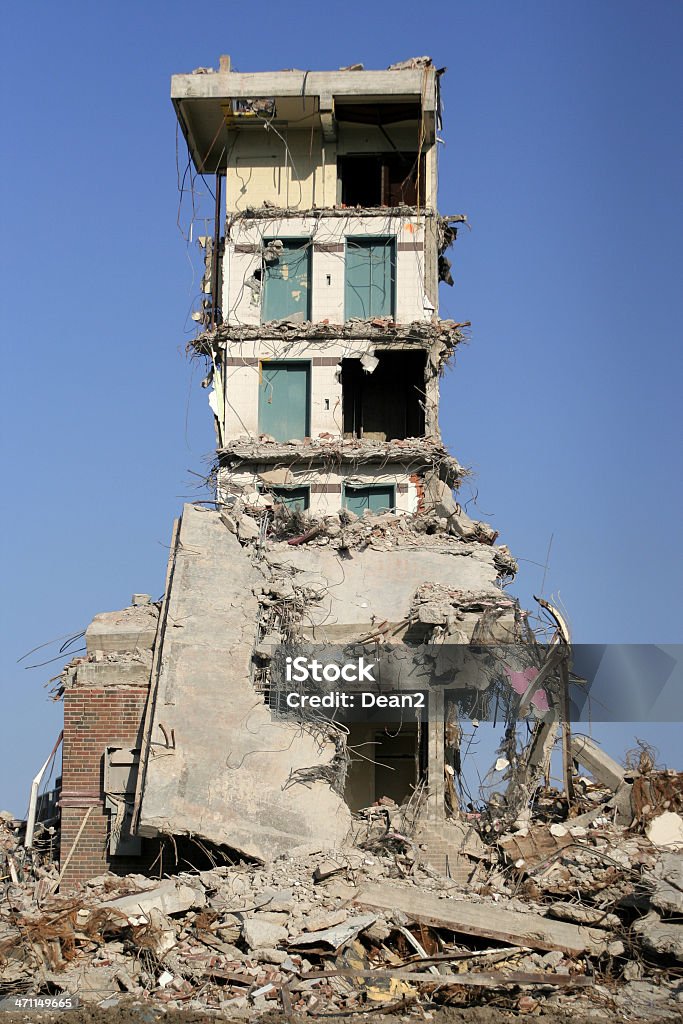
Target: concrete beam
x,y
602,767
406,84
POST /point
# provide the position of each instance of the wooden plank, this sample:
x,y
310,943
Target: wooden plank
x,y
486,920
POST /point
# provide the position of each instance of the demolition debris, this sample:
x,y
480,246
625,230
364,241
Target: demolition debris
x,y
571,917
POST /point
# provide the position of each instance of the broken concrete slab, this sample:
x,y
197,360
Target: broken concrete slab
x,y
320,922
487,920
229,778
169,897
583,915
662,937
325,869
336,937
130,629
667,880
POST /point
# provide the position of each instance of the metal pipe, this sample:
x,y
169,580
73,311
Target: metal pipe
x,y
215,261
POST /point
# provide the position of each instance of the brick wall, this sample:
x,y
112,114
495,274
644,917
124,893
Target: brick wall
x,y
93,720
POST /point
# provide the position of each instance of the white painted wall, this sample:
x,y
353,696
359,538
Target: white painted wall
x,y
327,268
297,169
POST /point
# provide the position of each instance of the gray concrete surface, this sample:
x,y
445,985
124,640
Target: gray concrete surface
x,y
225,780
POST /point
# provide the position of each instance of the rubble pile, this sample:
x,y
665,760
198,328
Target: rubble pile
x,y
573,913
346,531
33,868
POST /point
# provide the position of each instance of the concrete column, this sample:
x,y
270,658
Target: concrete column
x,y
436,755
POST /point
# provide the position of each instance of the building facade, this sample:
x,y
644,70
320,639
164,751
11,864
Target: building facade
x,y
335,520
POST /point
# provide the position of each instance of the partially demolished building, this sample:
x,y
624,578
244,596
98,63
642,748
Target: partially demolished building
x,y
297,853
335,520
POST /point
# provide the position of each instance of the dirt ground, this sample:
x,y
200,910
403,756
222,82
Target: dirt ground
x,y
137,1014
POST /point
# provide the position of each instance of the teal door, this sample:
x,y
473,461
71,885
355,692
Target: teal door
x,y
378,499
295,498
286,282
284,399
370,277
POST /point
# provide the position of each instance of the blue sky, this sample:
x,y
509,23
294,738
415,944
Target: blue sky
x,y
562,146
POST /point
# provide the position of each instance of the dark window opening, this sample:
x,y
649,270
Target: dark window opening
x,y
388,403
399,763
382,179
377,113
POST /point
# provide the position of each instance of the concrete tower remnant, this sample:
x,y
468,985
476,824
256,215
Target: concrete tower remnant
x,y
335,520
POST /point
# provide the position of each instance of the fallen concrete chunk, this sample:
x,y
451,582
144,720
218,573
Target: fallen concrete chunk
x,y
486,920
667,877
537,847
601,766
666,830
579,914
334,938
170,897
319,922
259,934
659,936
332,866
247,528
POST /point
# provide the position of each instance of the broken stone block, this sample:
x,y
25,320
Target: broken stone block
x,y
260,934
337,936
280,477
601,766
580,914
273,917
666,830
247,528
659,936
319,922
432,614
161,936
327,868
270,956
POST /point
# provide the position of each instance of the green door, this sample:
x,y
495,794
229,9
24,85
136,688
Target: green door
x,y
297,499
380,498
283,400
370,277
286,283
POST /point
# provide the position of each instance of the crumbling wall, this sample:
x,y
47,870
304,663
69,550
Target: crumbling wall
x,y
378,586
104,695
216,765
